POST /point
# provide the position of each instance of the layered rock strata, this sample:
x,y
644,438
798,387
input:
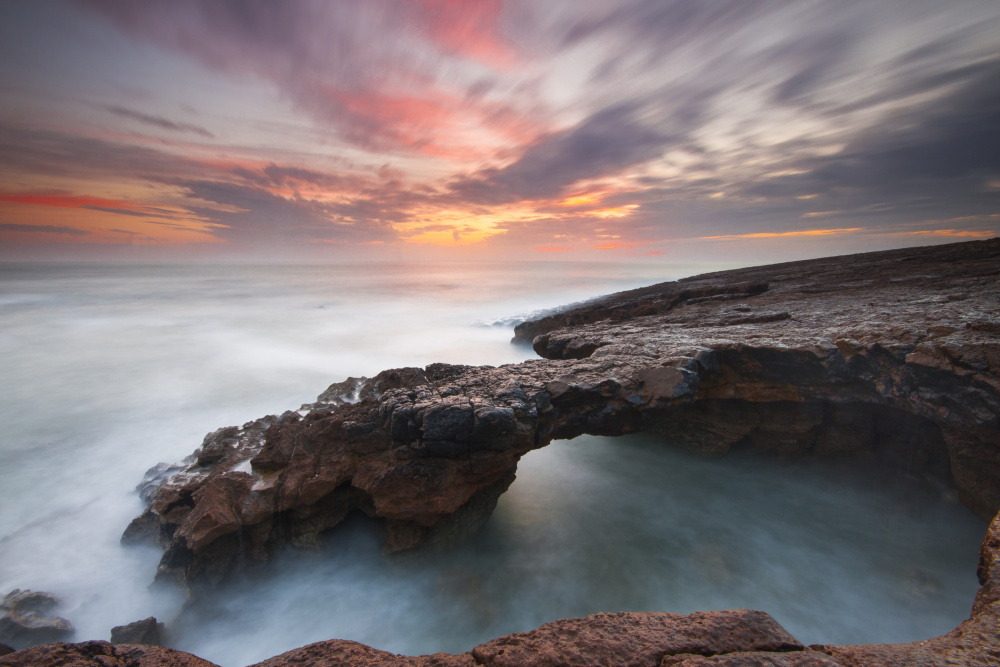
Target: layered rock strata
x,y
892,354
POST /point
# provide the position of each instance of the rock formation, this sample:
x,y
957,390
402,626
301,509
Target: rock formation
x,y
28,620
146,631
893,354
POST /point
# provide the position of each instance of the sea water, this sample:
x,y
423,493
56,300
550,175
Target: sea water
x,y
106,370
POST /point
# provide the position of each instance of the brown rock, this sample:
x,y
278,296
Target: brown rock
x,y
826,357
762,659
636,639
338,652
101,654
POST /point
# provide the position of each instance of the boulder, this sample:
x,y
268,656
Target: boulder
x,y
146,631
28,619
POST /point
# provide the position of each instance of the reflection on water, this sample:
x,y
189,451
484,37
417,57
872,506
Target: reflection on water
x,y
108,370
837,553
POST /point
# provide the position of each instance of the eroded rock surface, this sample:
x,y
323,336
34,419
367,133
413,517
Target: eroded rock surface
x,y
101,654
893,354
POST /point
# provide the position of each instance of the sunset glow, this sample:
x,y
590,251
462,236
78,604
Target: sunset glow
x,y
497,129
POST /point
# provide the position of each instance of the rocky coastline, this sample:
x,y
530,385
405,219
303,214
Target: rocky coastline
x,y
893,355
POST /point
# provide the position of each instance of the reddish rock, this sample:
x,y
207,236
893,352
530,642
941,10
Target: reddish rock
x,y
340,652
101,654
763,659
894,353
636,639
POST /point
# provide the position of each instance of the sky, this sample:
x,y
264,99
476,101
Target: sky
x,y
586,130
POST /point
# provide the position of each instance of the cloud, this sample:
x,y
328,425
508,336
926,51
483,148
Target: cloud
x,y
42,229
380,72
772,235
522,124
949,147
30,150
157,121
253,216
607,142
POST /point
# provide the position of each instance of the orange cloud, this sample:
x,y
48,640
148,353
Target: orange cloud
x,y
771,235
582,200
613,246
553,249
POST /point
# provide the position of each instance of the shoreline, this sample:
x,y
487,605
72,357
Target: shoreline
x,y
597,375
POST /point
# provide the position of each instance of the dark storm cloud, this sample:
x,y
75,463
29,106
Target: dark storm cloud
x,y
603,144
157,121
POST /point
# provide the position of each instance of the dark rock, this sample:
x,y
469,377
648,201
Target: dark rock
x,y
146,631
4,649
101,654
28,619
144,529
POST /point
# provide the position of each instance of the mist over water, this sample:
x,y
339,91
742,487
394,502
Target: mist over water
x,y
107,370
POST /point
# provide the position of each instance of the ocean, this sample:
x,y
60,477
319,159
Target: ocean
x,y
106,370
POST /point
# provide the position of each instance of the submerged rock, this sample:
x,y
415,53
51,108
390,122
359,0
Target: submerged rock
x,y
28,619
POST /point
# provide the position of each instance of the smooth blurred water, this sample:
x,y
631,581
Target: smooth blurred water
x,y
106,370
